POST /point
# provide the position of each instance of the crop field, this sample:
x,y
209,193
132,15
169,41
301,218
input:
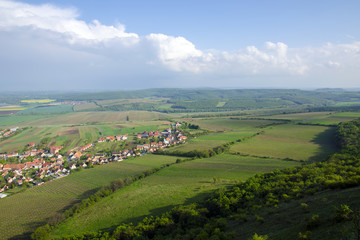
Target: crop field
x,y
14,120
21,139
298,142
38,101
180,183
302,116
335,118
97,117
50,109
211,140
223,124
25,211
321,118
86,106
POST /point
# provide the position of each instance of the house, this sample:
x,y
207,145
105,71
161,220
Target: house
x,y
2,195
146,146
110,138
156,134
14,129
124,137
182,138
77,155
87,146
55,149
72,166
31,144
101,140
14,154
139,136
118,137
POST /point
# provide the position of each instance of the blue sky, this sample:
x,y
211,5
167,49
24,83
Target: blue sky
x,y
140,44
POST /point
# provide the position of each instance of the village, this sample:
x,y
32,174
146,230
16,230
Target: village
x,y
37,166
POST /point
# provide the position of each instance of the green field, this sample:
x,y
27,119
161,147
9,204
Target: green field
x,y
223,124
234,129
321,118
50,109
178,184
212,140
298,142
25,211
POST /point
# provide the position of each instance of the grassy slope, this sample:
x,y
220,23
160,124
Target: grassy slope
x,y
298,142
181,183
280,223
25,211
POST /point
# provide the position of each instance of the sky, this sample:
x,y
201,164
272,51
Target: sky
x,y
123,45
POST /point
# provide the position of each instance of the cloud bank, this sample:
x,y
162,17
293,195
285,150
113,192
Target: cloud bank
x,y
48,47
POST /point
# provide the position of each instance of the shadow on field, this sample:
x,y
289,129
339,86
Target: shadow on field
x,y
159,211
32,226
30,229
326,141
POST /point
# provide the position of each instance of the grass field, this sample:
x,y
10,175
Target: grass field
x,y
25,211
180,183
298,142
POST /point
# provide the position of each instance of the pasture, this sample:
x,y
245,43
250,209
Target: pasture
x,y
298,142
23,212
178,184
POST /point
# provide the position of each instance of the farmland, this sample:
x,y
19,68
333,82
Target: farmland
x,y
180,183
263,137
298,142
41,202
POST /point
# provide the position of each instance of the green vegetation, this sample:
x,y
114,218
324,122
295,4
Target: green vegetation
x,y
47,109
289,141
178,184
242,134
39,203
278,195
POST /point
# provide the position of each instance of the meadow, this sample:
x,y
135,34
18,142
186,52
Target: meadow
x,y
24,211
297,142
178,184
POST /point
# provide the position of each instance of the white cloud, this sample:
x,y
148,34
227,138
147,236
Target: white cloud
x,y
60,20
95,50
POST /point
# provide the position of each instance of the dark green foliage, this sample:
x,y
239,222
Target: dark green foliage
x,y
41,233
